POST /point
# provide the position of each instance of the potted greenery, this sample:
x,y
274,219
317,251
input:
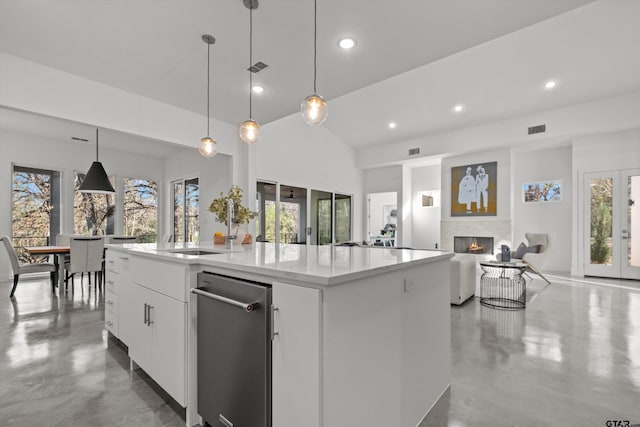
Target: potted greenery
x,y
241,214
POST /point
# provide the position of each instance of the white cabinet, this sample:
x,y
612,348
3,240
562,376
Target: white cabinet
x,y
155,325
116,275
152,321
296,356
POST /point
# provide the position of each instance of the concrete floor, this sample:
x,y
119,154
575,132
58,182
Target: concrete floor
x,y
572,357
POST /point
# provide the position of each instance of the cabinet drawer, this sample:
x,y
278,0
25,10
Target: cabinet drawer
x,y
112,325
116,262
167,278
111,313
111,283
110,303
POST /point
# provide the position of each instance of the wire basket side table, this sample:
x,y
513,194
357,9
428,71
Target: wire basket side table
x,y
502,285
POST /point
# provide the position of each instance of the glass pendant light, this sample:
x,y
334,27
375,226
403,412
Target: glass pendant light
x,y
314,108
208,144
250,129
96,180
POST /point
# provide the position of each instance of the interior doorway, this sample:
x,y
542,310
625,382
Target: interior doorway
x,y
612,224
382,218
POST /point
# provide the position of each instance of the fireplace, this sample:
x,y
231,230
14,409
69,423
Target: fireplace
x,y
472,245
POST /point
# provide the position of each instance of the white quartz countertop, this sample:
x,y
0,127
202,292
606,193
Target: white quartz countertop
x,y
320,265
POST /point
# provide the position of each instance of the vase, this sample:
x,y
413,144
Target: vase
x,y
238,232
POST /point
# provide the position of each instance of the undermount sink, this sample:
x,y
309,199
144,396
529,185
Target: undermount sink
x,y
193,252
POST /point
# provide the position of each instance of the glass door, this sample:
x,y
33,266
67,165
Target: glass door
x,y
293,214
35,208
321,217
611,219
186,210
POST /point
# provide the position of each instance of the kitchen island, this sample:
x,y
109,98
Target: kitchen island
x,y
362,334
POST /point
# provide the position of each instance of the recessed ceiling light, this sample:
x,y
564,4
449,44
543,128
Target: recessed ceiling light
x,y
347,43
257,89
458,108
392,125
550,84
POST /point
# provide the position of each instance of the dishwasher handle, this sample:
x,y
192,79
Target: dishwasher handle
x,y
248,307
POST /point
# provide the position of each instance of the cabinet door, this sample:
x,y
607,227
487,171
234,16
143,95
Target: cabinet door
x,y
296,356
134,331
168,344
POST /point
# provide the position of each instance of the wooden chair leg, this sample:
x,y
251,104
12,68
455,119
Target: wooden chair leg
x,y
15,283
53,282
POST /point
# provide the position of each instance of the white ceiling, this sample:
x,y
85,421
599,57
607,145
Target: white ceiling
x,y
55,129
414,59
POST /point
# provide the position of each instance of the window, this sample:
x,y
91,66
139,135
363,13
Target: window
x,y
266,207
186,210
293,214
35,208
93,213
141,209
343,218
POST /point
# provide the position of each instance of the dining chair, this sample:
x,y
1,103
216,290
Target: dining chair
x,y
19,269
86,257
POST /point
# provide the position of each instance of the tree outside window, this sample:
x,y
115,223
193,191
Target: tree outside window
x,y
141,209
93,213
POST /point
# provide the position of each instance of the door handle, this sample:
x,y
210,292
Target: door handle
x,y
273,310
146,313
149,321
248,307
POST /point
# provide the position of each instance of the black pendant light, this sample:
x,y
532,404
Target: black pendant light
x,y
96,180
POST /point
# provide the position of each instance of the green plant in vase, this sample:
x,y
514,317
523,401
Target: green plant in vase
x,y
241,214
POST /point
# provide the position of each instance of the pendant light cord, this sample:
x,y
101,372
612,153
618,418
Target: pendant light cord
x,y
315,43
97,145
208,84
250,61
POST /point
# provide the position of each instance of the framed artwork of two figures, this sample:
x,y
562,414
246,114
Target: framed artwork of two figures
x,y
474,189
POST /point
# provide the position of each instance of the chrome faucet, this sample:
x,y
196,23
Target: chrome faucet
x,y
230,214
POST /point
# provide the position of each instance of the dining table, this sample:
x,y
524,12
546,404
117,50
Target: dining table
x,y
58,253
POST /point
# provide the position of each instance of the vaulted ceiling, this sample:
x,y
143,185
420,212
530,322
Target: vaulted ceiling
x,y
413,60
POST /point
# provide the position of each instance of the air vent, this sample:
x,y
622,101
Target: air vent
x,y
258,66
414,151
537,129
75,138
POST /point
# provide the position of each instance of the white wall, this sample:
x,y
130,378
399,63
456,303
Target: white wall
x,y
66,157
293,153
33,87
426,220
603,152
552,217
215,176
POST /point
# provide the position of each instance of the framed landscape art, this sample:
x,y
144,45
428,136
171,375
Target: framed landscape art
x,y
543,191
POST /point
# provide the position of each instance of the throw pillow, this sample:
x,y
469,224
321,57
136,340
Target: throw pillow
x,y
524,249
520,251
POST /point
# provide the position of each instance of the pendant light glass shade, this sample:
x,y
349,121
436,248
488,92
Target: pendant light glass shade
x,y
96,180
314,109
250,131
208,147
208,144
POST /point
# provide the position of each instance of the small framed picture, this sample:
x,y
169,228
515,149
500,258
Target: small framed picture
x,y
429,199
542,191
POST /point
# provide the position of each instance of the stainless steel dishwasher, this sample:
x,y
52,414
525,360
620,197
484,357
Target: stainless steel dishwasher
x,y
234,351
